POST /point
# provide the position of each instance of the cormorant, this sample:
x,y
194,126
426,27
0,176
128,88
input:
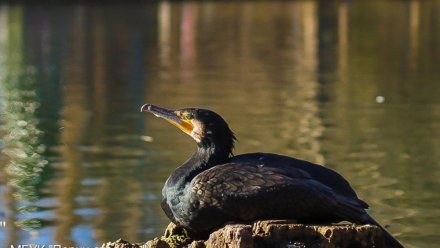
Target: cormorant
x,y
214,186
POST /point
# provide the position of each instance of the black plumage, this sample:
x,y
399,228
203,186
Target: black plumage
x,y
214,187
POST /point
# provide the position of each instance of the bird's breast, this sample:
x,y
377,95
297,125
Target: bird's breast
x,y
180,204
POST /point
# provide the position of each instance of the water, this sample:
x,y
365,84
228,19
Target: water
x,y
353,85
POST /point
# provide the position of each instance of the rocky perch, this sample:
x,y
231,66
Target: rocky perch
x,y
270,233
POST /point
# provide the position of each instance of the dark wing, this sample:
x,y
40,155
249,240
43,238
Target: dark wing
x,y
233,180
322,174
251,191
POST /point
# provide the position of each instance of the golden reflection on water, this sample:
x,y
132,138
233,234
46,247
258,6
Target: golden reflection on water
x,y
74,118
298,78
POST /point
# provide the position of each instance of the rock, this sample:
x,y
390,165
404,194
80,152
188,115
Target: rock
x,y
157,243
120,243
269,233
283,233
234,235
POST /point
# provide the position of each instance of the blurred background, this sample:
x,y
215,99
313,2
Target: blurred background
x,y
354,85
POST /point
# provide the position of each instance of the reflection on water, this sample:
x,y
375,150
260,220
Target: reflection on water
x,y
24,133
297,78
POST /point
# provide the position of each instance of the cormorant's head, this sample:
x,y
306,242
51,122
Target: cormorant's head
x,y
206,127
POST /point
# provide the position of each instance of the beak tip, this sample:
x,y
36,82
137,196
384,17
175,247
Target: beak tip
x,y
146,107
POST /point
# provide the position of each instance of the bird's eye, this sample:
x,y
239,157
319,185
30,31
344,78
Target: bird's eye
x,y
189,116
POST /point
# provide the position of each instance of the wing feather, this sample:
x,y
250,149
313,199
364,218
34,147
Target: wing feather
x,y
238,188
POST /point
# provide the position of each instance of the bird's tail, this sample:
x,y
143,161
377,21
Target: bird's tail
x,y
390,241
356,214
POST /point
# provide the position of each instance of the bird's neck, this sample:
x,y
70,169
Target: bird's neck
x,y
203,159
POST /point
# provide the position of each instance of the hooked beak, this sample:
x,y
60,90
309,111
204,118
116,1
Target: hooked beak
x,y
173,117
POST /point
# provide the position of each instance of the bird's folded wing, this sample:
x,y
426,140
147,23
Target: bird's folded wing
x,y
252,191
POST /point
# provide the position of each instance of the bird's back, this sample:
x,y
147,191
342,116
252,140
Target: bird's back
x,y
317,172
